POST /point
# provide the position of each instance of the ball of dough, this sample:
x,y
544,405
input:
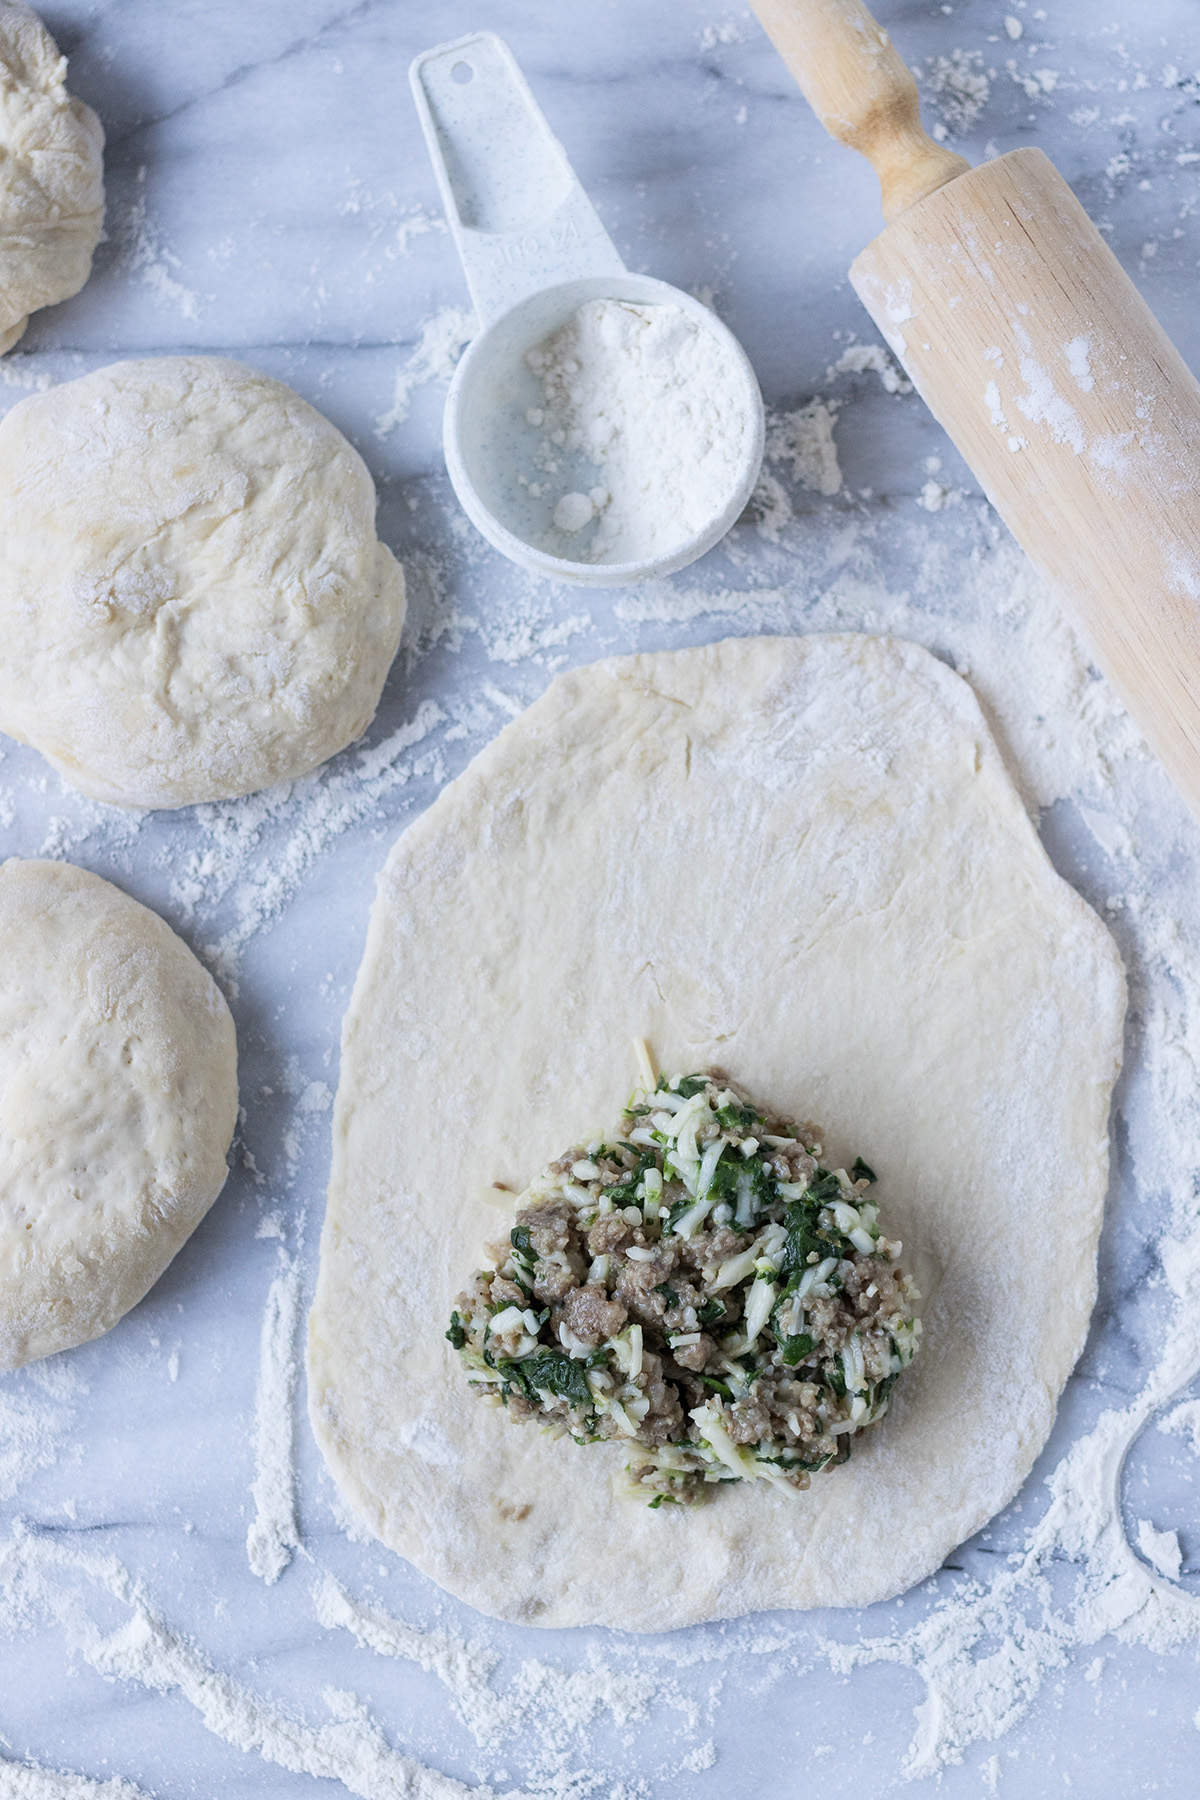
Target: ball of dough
x,y
51,175
193,601
118,1098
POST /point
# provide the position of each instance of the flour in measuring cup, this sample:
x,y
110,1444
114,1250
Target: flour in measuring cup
x,y
644,431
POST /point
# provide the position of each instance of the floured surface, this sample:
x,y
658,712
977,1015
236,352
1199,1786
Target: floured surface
x,y
801,859
143,1448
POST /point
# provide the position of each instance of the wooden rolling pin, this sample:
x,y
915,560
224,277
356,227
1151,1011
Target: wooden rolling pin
x,y
1035,351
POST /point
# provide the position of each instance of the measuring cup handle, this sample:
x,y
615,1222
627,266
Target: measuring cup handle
x,y
520,219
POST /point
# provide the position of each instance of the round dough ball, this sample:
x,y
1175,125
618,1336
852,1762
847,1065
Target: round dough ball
x,y
118,1098
51,175
193,601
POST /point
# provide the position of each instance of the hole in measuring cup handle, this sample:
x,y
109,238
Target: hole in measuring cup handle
x,y
462,72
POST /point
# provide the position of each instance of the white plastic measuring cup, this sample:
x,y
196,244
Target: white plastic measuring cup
x,y
533,251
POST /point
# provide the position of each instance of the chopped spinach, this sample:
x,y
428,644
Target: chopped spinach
x,y
624,1192
677,1211
668,1293
456,1334
711,1311
884,1387
797,1347
519,1238
551,1371
559,1374
863,1171
802,1240
690,1086
718,1387
825,1188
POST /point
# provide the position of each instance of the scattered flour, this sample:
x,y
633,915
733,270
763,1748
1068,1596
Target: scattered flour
x,y
655,406
704,1756
982,1660
1036,82
144,255
464,1669
16,372
543,1708
712,35
1184,1421
524,637
37,1408
26,1781
804,440
770,508
857,359
984,1648
145,1651
801,442
274,1534
437,351
327,803
28,1441
416,223
1161,1549
960,90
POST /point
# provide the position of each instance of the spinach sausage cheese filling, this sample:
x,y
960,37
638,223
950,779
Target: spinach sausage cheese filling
x,y
698,1287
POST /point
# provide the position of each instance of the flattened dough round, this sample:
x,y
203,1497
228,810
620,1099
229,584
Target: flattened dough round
x,y
118,1098
801,859
51,175
193,601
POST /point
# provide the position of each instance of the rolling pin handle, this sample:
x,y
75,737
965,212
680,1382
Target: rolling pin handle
x,y
862,92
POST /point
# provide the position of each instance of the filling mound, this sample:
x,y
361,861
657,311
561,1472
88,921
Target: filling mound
x,y
698,1288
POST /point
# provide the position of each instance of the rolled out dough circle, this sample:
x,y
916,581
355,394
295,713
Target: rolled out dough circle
x,y
118,1098
801,859
193,600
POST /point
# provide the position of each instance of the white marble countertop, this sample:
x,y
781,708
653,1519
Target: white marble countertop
x,y
270,198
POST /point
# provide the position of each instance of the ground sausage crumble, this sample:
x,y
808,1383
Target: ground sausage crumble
x,y
698,1287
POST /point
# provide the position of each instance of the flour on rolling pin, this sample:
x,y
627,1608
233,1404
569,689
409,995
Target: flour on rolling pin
x,y
643,431
1031,346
